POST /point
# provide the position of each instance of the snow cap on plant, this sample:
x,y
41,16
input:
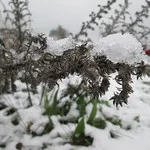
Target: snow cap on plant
x,y
58,47
123,48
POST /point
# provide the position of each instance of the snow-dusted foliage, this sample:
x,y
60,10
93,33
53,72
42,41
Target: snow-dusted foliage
x,y
58,47
119,48
123,48
46,61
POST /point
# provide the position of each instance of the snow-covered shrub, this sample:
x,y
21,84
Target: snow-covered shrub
x,y
48,61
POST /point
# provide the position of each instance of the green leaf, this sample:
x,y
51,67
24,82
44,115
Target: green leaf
x,y
46,105
104,102
99,123
54,104
93,113
51,109
137,118
79,131
115,120
81,105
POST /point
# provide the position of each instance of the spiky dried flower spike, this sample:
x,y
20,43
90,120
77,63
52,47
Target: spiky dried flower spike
x,y
124,79
142,69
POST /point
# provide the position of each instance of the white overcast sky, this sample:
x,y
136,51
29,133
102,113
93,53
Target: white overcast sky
x,y
47,14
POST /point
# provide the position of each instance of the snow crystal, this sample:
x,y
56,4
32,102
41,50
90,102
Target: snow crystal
x,y
59,46
119,48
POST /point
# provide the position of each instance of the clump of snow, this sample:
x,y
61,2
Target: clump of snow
x,y
35,112
58,47
119,48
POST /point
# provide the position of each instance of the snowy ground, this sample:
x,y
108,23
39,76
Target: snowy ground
x,y
134,134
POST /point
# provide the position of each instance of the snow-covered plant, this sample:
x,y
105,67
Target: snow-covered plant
x,y
40,59
48,61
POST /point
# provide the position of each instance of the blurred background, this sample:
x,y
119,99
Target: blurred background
x,y
48,14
